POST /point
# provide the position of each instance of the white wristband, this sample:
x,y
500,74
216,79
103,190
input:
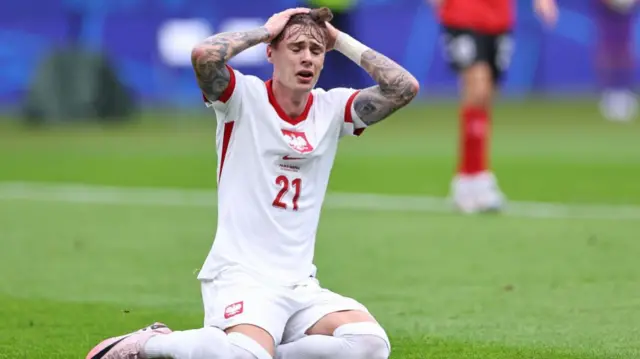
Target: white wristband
x,y
350,47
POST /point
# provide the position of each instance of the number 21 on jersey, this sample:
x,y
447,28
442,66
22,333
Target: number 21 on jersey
x,y
286,186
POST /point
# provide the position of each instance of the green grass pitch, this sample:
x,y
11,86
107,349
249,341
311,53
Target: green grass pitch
x,y
527,285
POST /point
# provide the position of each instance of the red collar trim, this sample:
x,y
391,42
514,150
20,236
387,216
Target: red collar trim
x,y
283,115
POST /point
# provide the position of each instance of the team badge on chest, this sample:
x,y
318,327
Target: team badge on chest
x,y
297,141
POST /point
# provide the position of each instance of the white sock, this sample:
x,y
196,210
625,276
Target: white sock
x,y
350,341
205,343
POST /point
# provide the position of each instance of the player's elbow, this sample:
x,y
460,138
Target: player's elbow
x,y
196,54
410,89
201,54
414,86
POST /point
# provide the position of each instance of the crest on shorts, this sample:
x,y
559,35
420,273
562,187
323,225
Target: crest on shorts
x,y
298,141
233,309
461,49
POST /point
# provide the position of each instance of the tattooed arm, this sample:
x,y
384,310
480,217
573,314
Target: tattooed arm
x,y
396,88
210,57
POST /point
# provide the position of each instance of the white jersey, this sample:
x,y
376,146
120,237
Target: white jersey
x,y
273,172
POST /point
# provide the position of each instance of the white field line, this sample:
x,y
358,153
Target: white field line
x,y
89,194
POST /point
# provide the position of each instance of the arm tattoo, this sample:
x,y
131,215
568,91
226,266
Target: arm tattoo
x,y
396,88
209,58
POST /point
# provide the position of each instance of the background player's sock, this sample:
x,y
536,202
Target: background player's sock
x,y
205,343
353,341
474,136
618,102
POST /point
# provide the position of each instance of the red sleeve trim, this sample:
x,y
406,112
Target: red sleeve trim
x,y
348,118
347,109
226,94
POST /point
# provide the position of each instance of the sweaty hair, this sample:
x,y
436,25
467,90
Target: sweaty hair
x,y
311,24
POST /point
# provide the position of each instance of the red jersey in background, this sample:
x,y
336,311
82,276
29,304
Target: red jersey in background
x,y
484,16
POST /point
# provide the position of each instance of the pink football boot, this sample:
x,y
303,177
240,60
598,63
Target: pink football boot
x,y
128,346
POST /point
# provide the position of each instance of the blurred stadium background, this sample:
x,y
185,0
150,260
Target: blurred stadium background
x,y
107,177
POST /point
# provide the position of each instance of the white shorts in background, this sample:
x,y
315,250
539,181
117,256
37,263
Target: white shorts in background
x,y
286,312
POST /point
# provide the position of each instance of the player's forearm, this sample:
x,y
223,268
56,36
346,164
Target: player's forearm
x,y
396,83
210,57
396,86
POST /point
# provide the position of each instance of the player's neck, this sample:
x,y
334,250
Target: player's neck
x,y
292,102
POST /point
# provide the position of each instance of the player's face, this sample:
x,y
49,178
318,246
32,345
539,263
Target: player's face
x,y
298,59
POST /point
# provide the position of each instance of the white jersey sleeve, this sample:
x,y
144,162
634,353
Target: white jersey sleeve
x,y
227,106
229,110
350,123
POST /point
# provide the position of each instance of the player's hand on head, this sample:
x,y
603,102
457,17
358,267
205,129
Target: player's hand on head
x,y
547,10
333,35
278,21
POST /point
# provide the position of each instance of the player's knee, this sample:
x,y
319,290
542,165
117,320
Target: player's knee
x,y
478,86
478,95
247,348
245,355
371,347
478,99
368,340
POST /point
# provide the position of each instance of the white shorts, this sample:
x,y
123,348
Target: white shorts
x,y
236,297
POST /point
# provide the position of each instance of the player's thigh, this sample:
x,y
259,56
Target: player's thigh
x,y
500,53
236,302
463,48
323,313
469,54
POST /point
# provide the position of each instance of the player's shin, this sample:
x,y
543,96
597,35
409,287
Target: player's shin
x,y
205,343
474,135
477,94
353,341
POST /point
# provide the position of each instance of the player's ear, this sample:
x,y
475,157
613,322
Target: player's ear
x,y
269,53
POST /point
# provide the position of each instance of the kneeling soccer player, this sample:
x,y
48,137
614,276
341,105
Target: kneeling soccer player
x,y
276,143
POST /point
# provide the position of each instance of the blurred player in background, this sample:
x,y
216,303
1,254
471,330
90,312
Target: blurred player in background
x,y
276,143
479,46
615,62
